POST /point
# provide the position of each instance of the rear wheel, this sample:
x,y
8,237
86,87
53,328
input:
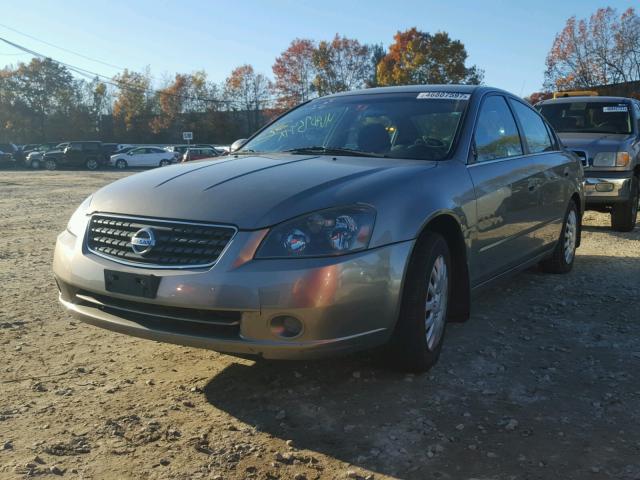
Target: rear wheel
x,y
92,164
625,215
50,164
561,261
121,164
417,339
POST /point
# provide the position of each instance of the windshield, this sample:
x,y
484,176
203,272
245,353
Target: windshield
x,y
399,125
584,117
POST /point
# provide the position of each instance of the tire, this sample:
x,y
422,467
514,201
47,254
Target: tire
x,y
624,216
419,333
92,164
50,164
564,253
35,164
164,163
121,164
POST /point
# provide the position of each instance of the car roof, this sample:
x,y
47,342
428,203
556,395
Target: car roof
x,y
585,98
418,89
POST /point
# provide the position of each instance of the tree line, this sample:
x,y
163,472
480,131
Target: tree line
x,y
44,101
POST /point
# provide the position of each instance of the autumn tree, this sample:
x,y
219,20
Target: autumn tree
x,y
132,108
602,50
248,92
294,72
418,57
341,64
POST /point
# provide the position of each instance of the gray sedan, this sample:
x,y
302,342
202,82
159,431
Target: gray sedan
x,y
355,220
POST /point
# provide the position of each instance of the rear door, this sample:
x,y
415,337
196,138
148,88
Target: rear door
x,y
506,183
554,168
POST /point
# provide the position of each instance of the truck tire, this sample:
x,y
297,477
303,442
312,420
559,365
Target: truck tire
x,y
417,338
564,254
625,215
35,164
50,164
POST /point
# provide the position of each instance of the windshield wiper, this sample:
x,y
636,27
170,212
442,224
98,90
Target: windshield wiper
x,y
333,151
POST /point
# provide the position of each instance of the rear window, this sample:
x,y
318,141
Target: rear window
x,y
585,117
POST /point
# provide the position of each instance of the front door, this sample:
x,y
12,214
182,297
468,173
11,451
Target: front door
x,y
506,183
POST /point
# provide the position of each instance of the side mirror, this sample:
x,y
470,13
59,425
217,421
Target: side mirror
x,y
129,152
237,145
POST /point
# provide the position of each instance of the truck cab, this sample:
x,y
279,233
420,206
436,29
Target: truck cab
x,y
604,132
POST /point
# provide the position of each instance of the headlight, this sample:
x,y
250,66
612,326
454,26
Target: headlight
x,y
611,159
78,221
335,231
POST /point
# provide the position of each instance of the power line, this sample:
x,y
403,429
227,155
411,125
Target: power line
x,y
62,48
118,84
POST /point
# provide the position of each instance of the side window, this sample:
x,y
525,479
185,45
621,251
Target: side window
x,y
90,147
533,128
496,132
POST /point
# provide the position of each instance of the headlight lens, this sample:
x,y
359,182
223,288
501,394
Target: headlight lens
x,y
335,231
611,159
78,221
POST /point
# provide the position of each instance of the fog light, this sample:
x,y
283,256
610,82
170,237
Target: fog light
x,y
604,187
286,326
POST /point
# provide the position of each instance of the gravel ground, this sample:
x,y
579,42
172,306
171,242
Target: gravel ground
x,y
542,383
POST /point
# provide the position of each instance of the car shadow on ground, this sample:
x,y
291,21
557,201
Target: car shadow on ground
x,y
518,388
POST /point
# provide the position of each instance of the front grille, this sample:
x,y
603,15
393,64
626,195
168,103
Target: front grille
x,y
582,155
177,244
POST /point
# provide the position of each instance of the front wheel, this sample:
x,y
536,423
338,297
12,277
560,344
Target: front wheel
x,y
50,164
121,164
92,164
417,339
564,254
625,215
164,163
35,164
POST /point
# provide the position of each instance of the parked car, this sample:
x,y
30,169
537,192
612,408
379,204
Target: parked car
x,y
142,157
87,154
33,159
199,153
605,133
356,220
10,150
7,160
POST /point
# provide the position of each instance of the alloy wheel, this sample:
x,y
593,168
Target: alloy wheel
x,y
570,234
436,302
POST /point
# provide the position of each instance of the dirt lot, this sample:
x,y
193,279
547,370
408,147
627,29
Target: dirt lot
x,y
542,383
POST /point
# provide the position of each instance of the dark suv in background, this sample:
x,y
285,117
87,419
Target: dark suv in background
x,y
89,155
604,132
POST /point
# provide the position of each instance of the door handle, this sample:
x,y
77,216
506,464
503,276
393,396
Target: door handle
x,y
566,171
532,185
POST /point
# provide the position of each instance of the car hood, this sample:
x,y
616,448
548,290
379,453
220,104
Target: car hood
x,y
594,142
253,192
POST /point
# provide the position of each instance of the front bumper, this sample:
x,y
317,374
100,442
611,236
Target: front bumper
x,y
345,303
607,188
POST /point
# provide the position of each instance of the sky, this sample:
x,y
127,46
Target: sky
x,y
509,40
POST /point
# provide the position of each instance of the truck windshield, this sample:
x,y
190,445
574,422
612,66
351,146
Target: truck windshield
x,y
399,125
588,117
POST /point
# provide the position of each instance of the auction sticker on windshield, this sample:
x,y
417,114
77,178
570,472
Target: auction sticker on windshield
x,y
618,108
444,95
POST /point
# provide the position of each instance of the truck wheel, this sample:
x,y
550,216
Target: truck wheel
x,y
35,164
121,164
624,215
418,335
561,261
50,164
92,164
